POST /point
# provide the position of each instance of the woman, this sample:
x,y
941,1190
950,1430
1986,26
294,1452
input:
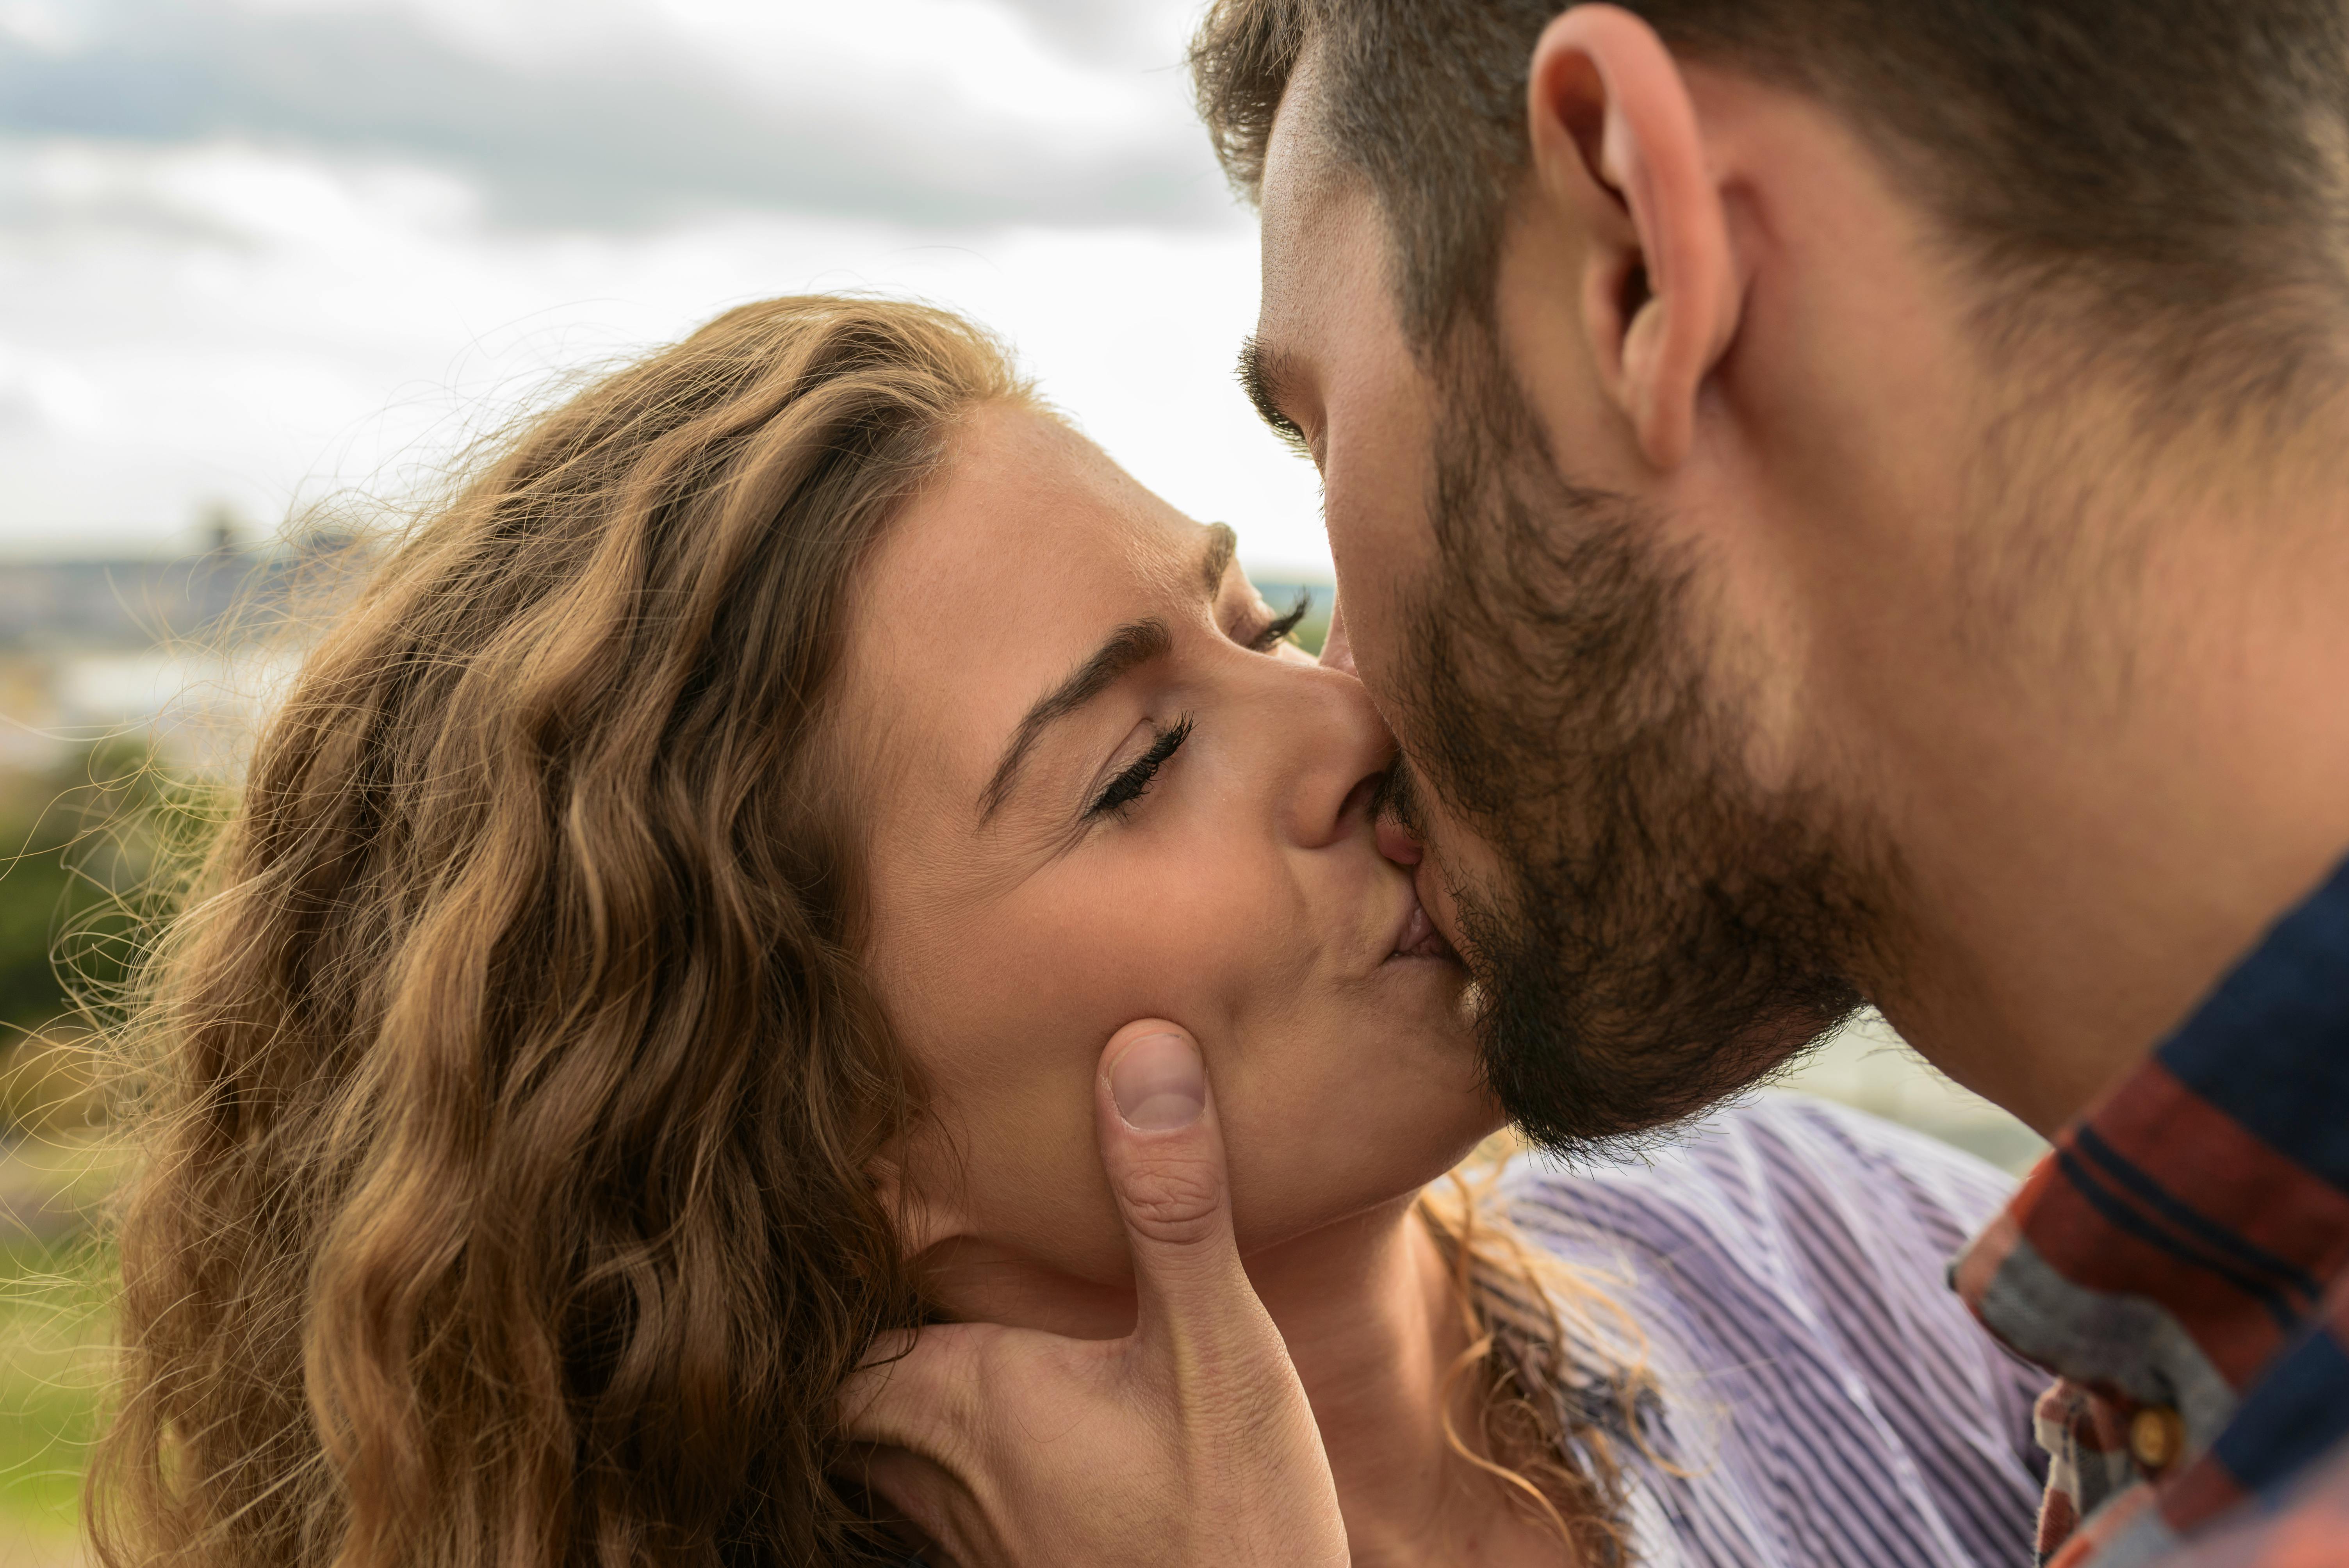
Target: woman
x,y
667,941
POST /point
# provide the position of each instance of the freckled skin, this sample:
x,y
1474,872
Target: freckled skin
x,y
1244,895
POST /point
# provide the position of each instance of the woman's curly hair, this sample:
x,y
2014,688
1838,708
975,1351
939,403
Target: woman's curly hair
x,y
516,1085
506,1192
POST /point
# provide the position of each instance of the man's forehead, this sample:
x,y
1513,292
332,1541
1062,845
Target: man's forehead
x,y
1302,170
1305,189
1299,143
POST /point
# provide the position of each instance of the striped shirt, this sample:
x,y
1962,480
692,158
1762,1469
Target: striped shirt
x,y
2181,1262
1824,1400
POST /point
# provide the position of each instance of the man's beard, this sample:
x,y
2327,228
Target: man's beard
x,y
1666,932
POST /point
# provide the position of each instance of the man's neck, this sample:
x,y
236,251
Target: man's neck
x,y
1372,1326
2095,835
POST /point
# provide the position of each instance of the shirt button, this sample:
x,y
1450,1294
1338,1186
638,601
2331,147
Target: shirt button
x,y
2157,1436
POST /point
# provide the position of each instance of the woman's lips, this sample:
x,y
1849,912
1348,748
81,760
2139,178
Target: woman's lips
x,y
1420,939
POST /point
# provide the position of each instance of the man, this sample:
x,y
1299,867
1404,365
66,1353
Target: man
x,y
1841,502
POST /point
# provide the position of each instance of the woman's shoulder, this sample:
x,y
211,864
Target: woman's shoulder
x,y
1784,1261
1764,1185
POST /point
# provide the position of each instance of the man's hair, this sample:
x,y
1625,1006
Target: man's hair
x,y
2179,166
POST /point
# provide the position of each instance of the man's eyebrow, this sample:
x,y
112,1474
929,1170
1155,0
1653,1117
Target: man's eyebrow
x,y
1124,649
1265,375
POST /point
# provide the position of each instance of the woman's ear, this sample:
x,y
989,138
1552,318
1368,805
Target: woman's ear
x,y
923,1220
1615,144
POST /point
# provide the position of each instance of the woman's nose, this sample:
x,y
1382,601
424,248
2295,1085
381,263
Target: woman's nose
x,y
1338,761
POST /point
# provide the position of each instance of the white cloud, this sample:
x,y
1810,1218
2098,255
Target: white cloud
x,y
599,112
277,328
254,279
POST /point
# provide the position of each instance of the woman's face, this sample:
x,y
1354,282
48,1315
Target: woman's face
x,y
1097,791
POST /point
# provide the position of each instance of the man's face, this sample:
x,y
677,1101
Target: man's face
x,y
1653,926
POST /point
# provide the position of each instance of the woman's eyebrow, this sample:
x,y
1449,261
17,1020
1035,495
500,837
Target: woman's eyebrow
x,y
1130,645
1217,559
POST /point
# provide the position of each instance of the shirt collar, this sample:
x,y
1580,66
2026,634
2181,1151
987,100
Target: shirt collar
x,y
2180,1232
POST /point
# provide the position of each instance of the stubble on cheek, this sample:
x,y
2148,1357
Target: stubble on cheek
x,y
1651,925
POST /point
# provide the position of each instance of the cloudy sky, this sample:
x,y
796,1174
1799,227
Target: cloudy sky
x,y
257,252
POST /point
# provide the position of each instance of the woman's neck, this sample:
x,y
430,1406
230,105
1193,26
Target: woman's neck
x,y
1373,1326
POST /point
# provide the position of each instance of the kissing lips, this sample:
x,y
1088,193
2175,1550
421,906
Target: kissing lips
x,y
1420,939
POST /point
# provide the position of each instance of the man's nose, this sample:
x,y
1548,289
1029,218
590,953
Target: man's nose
x,y
1397,842
1336,649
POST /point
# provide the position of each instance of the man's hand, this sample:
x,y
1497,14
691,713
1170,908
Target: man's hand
x,y
1188,1445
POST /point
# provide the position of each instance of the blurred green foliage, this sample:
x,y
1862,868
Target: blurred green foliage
x,y
77,845
80,849
55,1333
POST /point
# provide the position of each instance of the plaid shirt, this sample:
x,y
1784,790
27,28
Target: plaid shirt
x,y
2181,1261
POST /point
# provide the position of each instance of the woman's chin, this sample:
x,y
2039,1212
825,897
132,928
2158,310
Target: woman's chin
x,y
1381,1168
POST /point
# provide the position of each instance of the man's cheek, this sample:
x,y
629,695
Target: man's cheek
x,y
1462,869
1375,534
1384,555
1372,637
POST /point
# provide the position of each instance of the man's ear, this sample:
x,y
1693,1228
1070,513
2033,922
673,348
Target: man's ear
x,y
1615,141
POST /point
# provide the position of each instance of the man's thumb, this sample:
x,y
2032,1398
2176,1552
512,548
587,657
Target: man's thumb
x,y
1164,1155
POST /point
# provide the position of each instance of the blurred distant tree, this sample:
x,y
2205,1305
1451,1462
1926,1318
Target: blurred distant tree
x,y
76,847
1311,633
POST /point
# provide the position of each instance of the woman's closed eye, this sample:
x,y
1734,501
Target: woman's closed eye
x,y
1276,631
1134,782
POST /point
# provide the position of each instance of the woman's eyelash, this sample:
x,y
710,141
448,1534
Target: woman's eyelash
x,y
1134,783
1277,632
1131,785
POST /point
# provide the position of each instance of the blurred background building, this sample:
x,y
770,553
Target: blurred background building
x,y
265,261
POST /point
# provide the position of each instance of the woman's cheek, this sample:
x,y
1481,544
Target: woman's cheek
x,y
1075,968
1147,938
